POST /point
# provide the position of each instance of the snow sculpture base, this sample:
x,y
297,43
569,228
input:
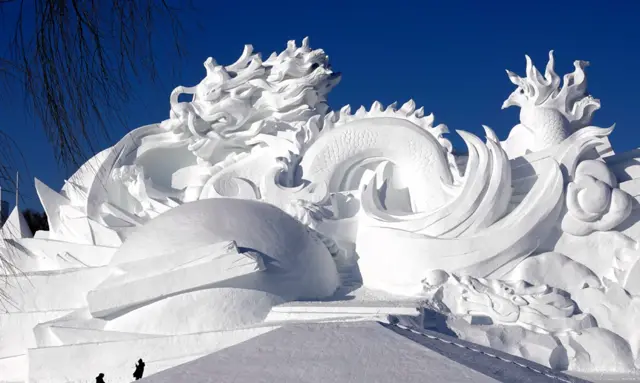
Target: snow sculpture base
x,y
254,205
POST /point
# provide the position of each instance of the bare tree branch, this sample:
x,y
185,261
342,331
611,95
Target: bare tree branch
x,y
76,59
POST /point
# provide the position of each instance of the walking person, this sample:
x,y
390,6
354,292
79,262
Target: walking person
x,y
100,378
137,374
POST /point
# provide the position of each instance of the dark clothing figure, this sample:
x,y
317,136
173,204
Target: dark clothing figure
x,y
100,378
139,370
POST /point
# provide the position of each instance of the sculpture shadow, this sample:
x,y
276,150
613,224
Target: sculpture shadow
x,y
632,219
427,320
350,278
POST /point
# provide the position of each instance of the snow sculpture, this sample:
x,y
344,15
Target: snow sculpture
x,y
549,114
594,201
254,193
537,308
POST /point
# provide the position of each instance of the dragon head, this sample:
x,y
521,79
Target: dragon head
x,y
235,103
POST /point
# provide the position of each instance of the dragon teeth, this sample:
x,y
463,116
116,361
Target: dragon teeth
x,y
392,107
408,107
376,106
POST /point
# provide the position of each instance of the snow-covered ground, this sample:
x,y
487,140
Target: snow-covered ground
x,y
356,352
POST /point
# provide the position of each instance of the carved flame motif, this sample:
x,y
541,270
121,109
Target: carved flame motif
x,y
552,112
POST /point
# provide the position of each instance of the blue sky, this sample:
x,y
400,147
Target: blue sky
x,y
449,56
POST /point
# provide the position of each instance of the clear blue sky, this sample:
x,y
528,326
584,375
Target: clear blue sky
x,y
449,56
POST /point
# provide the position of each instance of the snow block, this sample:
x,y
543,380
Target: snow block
x,y
16,331
157,278
64,255
287,247
14,369
53,290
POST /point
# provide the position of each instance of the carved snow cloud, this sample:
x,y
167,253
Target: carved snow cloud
x,y
594,201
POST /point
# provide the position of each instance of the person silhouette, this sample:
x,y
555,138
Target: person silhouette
x,y
100,378
139,370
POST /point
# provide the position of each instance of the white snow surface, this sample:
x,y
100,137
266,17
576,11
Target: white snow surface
x,y
354,352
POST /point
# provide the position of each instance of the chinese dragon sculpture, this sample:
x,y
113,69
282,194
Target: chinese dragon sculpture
x,y
537,232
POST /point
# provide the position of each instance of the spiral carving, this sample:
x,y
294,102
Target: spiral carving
x,y
594,201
